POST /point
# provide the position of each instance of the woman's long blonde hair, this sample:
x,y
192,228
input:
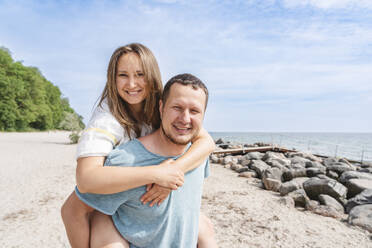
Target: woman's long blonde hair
x,y
118,107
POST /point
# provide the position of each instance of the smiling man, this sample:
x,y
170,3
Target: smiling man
x,y
174,223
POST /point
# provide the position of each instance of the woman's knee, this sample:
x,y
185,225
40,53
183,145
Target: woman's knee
x,y
206,228
104,233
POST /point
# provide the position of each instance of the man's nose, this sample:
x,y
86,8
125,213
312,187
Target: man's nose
x,y
185,116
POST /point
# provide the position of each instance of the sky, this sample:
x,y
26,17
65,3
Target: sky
x,y
270,65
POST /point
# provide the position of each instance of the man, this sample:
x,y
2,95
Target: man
x,y
174,223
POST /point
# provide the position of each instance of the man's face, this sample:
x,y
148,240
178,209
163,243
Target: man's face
x,y
182,114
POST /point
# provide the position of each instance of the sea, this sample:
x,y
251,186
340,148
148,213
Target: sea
x,y
352,146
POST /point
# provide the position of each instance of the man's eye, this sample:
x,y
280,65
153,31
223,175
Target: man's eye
x,y
177,108
194,111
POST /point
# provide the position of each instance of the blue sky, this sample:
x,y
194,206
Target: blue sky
x,y
270,65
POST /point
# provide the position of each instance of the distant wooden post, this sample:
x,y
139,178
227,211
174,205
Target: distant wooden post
x,y
361,159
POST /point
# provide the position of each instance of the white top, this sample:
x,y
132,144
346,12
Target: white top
x,y
103,133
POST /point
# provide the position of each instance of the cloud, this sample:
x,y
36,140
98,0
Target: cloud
x,y
257,58
329,4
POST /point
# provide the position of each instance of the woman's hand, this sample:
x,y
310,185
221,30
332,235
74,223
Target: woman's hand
x,y
168,175
155,194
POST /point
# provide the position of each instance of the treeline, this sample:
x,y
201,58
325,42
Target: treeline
x,y
28,101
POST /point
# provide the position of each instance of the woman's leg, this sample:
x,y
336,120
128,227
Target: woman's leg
x,y
206,235
104,233
75,216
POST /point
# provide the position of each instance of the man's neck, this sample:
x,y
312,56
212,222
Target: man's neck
x,y
159,144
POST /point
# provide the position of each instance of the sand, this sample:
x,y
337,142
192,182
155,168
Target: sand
x,y
37,174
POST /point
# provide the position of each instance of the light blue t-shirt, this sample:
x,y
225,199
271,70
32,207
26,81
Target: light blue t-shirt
x,y
172,224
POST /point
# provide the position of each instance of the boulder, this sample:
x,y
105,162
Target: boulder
x,y
287,201
308,156
366,164
288,187
347,175
312,171
327,211
214,158
273,155
331,202
219,141
248,174
227,160
311,205
281,161
315,187
366,170
273,173
314,164
259,166
356,186
300,198
236,166
271,184
300,180
293,173
224,146
245,162
321,176
292,185
276,164
243,169
365,197
329,161
361,216
299,162
254,155
332,174
340,167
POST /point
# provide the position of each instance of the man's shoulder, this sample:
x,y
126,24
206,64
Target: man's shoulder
x,y
133,145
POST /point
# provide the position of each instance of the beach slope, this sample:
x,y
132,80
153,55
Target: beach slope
x,y
38,172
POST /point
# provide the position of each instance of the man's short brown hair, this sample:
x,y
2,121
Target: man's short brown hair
x,y
185,79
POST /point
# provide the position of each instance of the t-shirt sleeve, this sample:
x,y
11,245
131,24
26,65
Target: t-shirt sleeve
x,y
206,168
101,135
105,203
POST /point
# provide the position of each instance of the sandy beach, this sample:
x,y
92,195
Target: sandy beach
x,y
38,172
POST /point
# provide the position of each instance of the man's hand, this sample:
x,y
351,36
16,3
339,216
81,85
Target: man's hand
x,y
168,175
155,194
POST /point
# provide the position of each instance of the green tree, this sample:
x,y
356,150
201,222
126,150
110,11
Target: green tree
x,y
29,101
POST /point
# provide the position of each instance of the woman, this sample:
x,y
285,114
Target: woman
x,y
128,108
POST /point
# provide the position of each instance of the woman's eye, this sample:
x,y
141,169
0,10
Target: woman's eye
x,y
140,74
123,75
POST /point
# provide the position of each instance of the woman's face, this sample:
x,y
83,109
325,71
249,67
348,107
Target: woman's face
x,y
130,81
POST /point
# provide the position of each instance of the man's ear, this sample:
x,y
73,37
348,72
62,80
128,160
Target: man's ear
x,y
161,109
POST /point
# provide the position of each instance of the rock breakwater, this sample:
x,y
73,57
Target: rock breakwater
x,y
329,186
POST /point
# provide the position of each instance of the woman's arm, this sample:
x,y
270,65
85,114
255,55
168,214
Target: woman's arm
x,y
202,146
93,177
